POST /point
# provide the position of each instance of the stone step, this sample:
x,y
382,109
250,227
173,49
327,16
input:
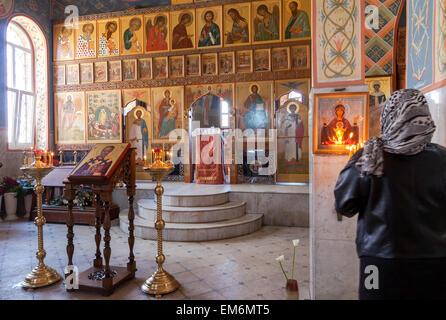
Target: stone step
x,y
145,229
226,211
185,199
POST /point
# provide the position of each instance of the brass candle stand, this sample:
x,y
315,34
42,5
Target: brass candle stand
x,y
41,275
161,282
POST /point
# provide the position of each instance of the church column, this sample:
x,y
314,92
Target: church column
x,y
338,68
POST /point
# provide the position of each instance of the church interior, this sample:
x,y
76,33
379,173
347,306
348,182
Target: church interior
x,y
189,149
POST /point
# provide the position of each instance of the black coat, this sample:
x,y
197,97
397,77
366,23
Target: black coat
x,y
401,214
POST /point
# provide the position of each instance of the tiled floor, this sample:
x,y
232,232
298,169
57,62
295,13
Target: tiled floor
x,y
239,268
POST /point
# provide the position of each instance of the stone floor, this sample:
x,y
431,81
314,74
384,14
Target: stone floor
x,y
242,268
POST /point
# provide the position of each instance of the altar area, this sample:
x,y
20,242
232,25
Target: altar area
x,y
195,212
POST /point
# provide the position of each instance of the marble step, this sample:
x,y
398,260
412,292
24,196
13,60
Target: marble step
x,y
145,229
189,199
226,211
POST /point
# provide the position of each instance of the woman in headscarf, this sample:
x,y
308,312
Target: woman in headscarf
x,y
397,184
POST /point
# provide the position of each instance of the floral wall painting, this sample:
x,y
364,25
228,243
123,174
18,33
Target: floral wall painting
x,y
244,61
108,37
262,60
176,67
70,117
338,45
132,35
104,117
254,105
6,7
72,74
380,90
156,32
100,71
129,69
296,19
145,68
420,30
209,65
209,27
167,104
193,65
183,29
280,58
226,63
85,36
138,123
160,66
237,24
86,73
63,43
440,41
339,120
267,25
115,70
59,75
300,57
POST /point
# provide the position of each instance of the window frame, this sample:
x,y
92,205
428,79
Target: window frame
x,y
14,145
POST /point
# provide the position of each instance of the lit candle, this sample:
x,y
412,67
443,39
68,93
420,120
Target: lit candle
x,y
145,161
153,155
24,158
164,154
51,158
45,157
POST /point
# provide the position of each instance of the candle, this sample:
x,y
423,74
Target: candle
x,y
51,158
145,161
164,154
24,158
45,157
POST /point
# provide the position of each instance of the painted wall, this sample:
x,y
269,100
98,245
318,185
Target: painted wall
x,y
100,6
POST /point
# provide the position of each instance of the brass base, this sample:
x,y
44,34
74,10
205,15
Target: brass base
x,y
160,283
41,276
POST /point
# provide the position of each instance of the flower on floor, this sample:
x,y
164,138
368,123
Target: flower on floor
x,y
282,258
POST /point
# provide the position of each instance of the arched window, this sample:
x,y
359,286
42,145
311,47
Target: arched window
x,y
20,87
27,84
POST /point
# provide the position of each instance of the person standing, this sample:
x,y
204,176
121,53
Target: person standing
x,y
397,186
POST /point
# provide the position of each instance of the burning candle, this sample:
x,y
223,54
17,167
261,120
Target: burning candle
x,y
24,158
164,154
145,161
51,158
45,157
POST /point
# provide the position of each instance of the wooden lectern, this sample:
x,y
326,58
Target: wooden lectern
x,y
104,167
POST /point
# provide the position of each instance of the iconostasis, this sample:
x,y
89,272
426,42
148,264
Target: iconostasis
x,y
136,76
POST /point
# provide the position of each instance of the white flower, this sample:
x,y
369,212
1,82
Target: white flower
x,y
280,259
296,242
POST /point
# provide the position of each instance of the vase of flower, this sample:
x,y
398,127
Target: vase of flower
x,y
11,206
292,290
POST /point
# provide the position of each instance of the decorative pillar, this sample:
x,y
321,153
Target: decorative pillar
x,y
338,68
